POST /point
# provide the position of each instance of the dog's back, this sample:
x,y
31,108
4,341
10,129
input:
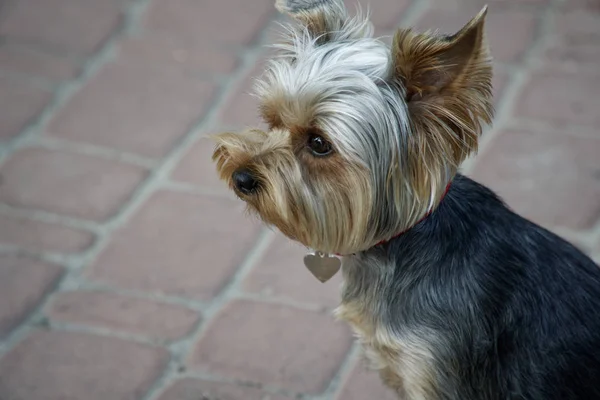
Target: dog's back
x,y
518,307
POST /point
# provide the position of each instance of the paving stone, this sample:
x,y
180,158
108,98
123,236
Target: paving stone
x,y
385,14
275,345
506,45
20,59
178,244
553,179
70,25
591,6
24,283
499,82
225,21
35,235
66,365
576,40
20,104
363,384
196,389
561,98
139,110
125,314
241,107
197,167
282,274
67,183
155,50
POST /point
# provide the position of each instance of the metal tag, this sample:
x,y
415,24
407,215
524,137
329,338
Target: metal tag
x,y
322,266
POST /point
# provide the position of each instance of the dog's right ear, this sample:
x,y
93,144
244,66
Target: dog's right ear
x,y
325,20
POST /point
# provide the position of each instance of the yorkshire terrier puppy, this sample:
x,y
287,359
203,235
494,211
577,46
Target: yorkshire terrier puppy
x,y
453,295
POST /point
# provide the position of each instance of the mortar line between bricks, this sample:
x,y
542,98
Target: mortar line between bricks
x,y
104,332
49,218
306,306
88,286
94,150
240,383
516,79
540,125
47,256
182,349
341,375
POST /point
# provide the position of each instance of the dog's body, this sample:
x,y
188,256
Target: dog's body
x,y
471,302
477,303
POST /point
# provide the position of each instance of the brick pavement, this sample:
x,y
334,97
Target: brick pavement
x,y
128,272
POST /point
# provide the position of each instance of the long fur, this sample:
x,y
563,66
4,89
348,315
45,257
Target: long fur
x,y
472,303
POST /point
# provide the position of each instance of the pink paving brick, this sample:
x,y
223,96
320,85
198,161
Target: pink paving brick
x,y
225,21
197,167
71,25
561,98
506,45
65,365
21,104
275,345
363,384
196,389
20,59
35,235
68,183
577,40
499,82
179,244
123,314
24,283
550,178
385,14
282,274
187,56
132,108
591,6
241,108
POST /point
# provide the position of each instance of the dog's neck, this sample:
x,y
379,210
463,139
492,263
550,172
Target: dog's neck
x,y
409,228
324,266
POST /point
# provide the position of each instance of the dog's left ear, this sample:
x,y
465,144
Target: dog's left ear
x,y
429,64
448,85
325,20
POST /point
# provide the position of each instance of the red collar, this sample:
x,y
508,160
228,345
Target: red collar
x,y
407,229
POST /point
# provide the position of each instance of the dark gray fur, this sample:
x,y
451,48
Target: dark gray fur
x,y
515,310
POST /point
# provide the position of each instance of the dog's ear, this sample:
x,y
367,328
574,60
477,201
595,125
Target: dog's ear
x,y
325,20
448,85
428,64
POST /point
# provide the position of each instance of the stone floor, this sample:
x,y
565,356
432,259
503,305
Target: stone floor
x,y
128,272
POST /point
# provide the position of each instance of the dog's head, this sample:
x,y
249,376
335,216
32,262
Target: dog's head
x,y
362,138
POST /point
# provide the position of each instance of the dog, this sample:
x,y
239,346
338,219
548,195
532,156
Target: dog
x,y
452,295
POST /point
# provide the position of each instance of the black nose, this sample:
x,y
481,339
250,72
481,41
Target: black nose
x,y
244,181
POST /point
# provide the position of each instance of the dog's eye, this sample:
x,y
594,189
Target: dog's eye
x,y
319,146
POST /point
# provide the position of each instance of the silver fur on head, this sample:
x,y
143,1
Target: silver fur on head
x,y
348,82
392,157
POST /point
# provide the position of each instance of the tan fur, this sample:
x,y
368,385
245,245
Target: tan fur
x,y
280,160
448,84
405,363
327,202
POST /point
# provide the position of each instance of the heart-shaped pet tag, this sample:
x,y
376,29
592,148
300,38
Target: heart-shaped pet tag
x,y
322,266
